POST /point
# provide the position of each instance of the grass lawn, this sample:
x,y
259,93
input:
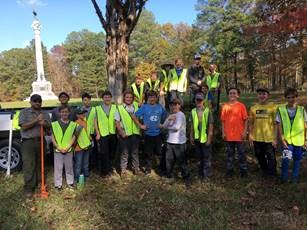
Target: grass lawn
x,y
152,202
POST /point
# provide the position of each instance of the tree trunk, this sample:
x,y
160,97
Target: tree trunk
x,y
235,75
117,66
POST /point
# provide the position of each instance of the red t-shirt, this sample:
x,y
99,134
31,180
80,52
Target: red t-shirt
x,y
233,116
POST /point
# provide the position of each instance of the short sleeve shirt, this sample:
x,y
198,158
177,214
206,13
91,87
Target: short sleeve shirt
x,y
233,116
262,118
26,115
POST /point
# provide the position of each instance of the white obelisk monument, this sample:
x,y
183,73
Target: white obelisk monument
x,y
41,86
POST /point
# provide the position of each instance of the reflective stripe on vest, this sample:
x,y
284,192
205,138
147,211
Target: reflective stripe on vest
x,y
213,82
90,120
16,120
156,85
106,124
84,140
203,133
129,126
293,133
138,96
63,140
178,83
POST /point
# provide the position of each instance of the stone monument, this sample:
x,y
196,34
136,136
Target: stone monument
x,y
41,86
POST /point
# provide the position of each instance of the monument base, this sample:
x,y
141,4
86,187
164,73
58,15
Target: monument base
x,y
44,89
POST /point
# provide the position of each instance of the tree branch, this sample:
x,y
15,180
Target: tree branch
x,y
100,16
136,16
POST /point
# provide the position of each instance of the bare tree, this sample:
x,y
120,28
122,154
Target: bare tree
x,y
121,16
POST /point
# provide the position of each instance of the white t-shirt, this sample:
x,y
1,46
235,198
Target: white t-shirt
x,y
176,129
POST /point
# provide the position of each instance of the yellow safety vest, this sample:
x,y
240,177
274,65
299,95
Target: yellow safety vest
x,y
90,120
129,126
154,87
202,136
165,81
138,96
178,83
84,140
213,80
293,133
16,120
106,124
63,139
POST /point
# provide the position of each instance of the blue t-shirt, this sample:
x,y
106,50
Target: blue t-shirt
x,y
153,116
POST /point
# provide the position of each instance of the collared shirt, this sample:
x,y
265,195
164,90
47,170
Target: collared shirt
x,y
28,114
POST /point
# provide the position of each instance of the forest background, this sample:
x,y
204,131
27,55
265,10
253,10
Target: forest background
x,y
254,43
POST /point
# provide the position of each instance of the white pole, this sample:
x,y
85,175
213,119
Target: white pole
x,y
8,171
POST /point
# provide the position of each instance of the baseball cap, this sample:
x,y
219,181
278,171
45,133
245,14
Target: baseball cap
x,y
199,96
80,111
36,98
197,56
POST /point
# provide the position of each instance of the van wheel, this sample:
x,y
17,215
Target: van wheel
x,y
16,159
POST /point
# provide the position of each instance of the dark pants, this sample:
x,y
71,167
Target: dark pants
x,y
129,146
177,95
93,159
30,149
265,154
176,152
81,165
231,147
106,154
152,146
204,153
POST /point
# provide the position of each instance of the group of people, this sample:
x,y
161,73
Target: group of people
x,y
144,115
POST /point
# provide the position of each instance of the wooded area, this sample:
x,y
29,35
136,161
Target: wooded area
x,y
253,43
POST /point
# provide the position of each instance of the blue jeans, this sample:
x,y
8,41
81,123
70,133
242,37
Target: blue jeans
x,y
81,163
297,153
231,147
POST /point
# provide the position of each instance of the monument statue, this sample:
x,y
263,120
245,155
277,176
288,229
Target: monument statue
x,y
41,86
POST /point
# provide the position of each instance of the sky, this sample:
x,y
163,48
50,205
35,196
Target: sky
x,y
60,17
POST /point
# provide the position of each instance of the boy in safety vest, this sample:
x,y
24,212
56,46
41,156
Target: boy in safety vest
x,y
153,84
90,114
291,122
178,81
138,90
106,133
83,146
164,93
215,82
262,132
152,114
63,138
201,134
234,129
129,133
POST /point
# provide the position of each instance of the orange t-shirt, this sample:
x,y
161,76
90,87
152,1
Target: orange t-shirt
x,y
233,117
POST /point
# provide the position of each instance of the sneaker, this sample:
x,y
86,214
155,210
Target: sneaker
x,y
58,188
28,194
136,172
70,186
147,172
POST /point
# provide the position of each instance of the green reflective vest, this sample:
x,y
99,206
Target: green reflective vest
x,y
84,140
63,139
129,126
202,136
293,133
165,80
138,96
178,83
16,120
213,80
154,87
90,120
106,124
